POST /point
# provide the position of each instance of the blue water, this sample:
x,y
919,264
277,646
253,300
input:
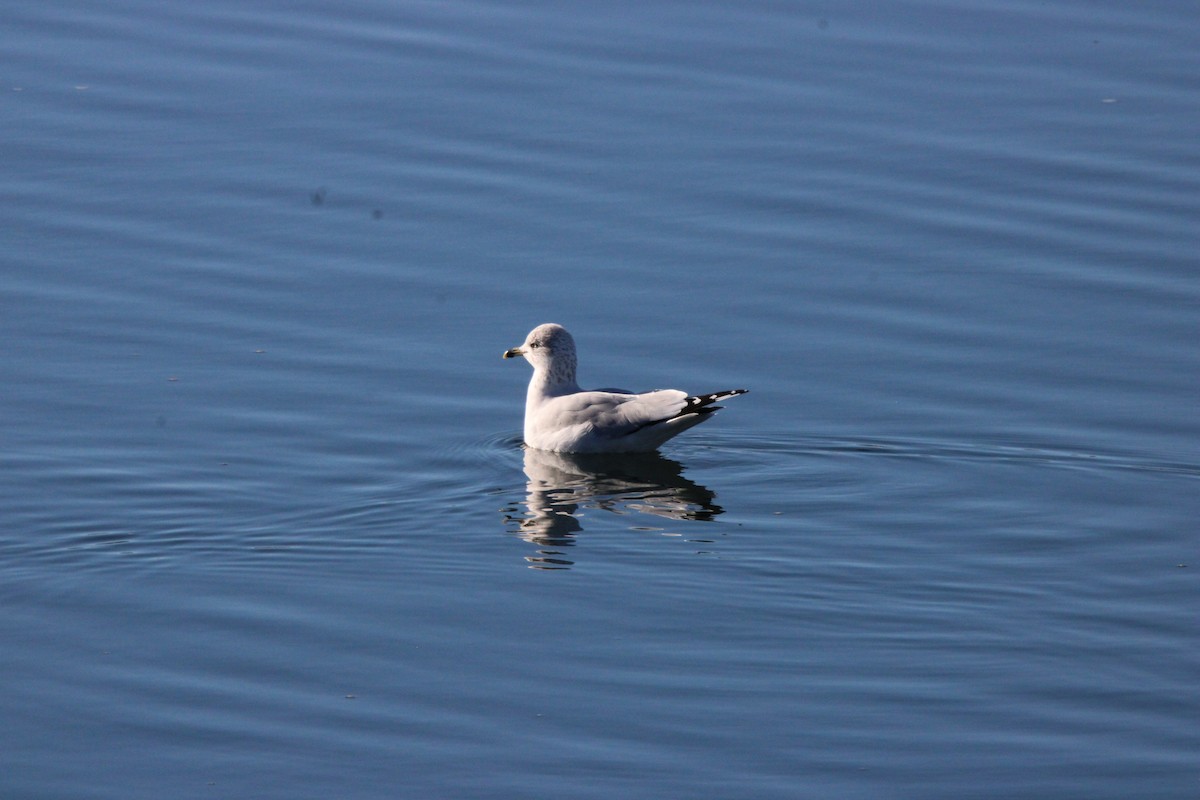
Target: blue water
x,y
266,526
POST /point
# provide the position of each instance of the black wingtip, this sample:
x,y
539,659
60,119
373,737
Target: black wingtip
x,y
704,402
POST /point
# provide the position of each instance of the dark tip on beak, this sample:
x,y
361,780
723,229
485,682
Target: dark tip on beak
x,y
514,353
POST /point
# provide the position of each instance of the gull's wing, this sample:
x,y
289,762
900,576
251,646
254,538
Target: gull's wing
x,y
604,421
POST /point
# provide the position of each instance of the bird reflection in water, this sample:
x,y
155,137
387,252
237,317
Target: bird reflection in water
x,y
560,485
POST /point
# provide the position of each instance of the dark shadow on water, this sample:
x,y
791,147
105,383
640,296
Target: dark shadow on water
x,y
559,486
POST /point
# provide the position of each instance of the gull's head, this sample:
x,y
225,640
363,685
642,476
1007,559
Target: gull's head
x,y
547,347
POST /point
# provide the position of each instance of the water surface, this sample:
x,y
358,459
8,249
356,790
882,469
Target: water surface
x,y
268,529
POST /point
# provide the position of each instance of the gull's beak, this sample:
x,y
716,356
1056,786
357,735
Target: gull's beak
x,y
514,353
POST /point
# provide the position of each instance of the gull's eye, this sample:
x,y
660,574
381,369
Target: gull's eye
x,y
534,344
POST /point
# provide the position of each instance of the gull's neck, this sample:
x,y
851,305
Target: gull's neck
x,y
554,379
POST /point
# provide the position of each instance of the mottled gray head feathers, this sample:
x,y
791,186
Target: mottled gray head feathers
x,y
551,350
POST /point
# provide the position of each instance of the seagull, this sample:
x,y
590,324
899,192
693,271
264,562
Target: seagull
x,y
563,418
